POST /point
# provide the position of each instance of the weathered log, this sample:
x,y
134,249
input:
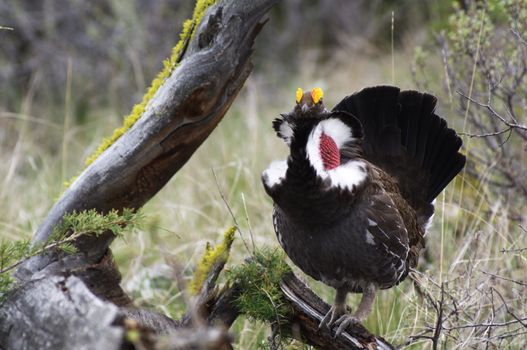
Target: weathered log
x,y
58,313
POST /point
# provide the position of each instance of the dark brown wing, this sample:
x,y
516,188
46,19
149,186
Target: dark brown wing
x,y
386,230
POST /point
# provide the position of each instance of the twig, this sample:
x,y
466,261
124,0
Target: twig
x,y
516,250
493,315
518,36
418,284
230,210
503,278
487,134
248,223
513,333
413,338
508,310
192,308
56,244
277,316
439,321
491,324
494,113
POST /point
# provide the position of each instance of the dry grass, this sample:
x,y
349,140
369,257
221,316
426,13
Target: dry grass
x,y
474,262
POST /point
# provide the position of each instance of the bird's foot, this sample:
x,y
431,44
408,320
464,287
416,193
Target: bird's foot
x,y
346,320
333,315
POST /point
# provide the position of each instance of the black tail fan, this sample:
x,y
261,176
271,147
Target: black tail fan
x,y
404,136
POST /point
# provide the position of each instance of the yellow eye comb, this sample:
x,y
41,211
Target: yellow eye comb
x,y
299,94
317,94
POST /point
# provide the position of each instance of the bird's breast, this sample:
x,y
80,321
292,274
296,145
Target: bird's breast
x,y
340,254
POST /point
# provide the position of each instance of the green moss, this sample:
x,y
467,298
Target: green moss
x,y
189,29
220,254
259,279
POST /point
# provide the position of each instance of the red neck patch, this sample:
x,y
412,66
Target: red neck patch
x,y
329,152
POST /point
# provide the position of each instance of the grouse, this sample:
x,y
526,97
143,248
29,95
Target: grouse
x,y
355,196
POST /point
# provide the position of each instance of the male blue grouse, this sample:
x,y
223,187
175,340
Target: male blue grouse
x,y
353,200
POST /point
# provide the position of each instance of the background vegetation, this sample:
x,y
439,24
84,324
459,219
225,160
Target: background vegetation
x,y
69,71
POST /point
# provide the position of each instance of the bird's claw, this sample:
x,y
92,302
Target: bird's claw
x,y
344,321
331,317
339,317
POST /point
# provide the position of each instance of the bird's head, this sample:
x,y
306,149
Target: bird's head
x,y
328,140
310,122
309,103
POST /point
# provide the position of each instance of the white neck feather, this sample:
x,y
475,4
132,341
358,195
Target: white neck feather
x,y
275,173
347,175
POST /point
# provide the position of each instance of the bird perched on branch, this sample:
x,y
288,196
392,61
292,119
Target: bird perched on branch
x,y
355,197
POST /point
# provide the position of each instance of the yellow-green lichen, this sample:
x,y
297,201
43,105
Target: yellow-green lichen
x,y
133,336
212,256
189,29
72,180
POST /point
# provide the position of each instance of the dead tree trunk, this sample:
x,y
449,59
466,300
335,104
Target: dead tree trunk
x,y
75,301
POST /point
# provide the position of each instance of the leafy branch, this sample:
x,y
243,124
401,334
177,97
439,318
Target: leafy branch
x,y
64,236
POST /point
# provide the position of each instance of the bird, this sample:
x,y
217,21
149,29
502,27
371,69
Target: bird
x,y
355,196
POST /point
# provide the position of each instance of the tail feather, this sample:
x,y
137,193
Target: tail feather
x,y
383,105
411,103
448,165
425,128
404,136
455,166
434,141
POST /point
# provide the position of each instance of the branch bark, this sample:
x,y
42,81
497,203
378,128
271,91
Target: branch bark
x,y
309,310
58,313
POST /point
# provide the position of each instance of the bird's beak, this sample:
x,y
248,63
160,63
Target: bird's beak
x,y
305,107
